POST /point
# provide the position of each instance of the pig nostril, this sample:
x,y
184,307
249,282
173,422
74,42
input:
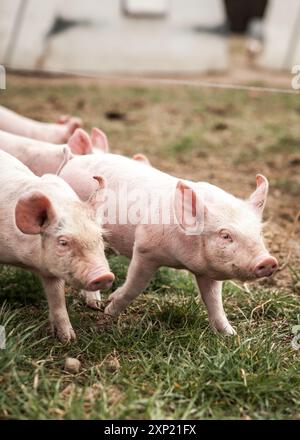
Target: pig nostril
x,y
102,282
266,267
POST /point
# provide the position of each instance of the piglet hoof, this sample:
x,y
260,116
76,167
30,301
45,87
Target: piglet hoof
x,y
94,304
117,303
64,333
92,299
111,310
229,330
224,327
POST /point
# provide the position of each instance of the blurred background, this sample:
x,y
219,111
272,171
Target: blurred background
x,y
149,36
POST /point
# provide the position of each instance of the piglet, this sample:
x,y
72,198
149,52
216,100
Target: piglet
x,y
42,157
207,231
45,228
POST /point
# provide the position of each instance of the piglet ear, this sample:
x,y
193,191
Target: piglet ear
x,y
80,142
142,158
63,119
258,198
189,209
65,157
98,196
99,140
33,213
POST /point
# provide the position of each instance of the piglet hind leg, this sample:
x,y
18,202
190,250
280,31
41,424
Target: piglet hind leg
x,y
58,315
211,293
139,274
91,299
55,133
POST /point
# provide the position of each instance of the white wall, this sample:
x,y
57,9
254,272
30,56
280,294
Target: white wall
x,y
113,42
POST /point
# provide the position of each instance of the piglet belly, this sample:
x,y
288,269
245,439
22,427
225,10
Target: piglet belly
x,y
121,238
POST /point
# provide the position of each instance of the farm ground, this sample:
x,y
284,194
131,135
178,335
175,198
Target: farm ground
x,y
160,359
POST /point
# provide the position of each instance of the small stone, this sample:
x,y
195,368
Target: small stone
x,y
112,363
72,365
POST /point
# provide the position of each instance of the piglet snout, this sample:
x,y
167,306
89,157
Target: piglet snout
x,y
266,267
101,281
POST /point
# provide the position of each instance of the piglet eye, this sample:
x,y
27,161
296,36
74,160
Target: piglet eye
x,y
225,235
62,242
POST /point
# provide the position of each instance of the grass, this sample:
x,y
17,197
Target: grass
x,y
160,359
170,364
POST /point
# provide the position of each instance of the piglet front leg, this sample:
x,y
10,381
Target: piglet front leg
x,y
211,293
140,272
58,315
